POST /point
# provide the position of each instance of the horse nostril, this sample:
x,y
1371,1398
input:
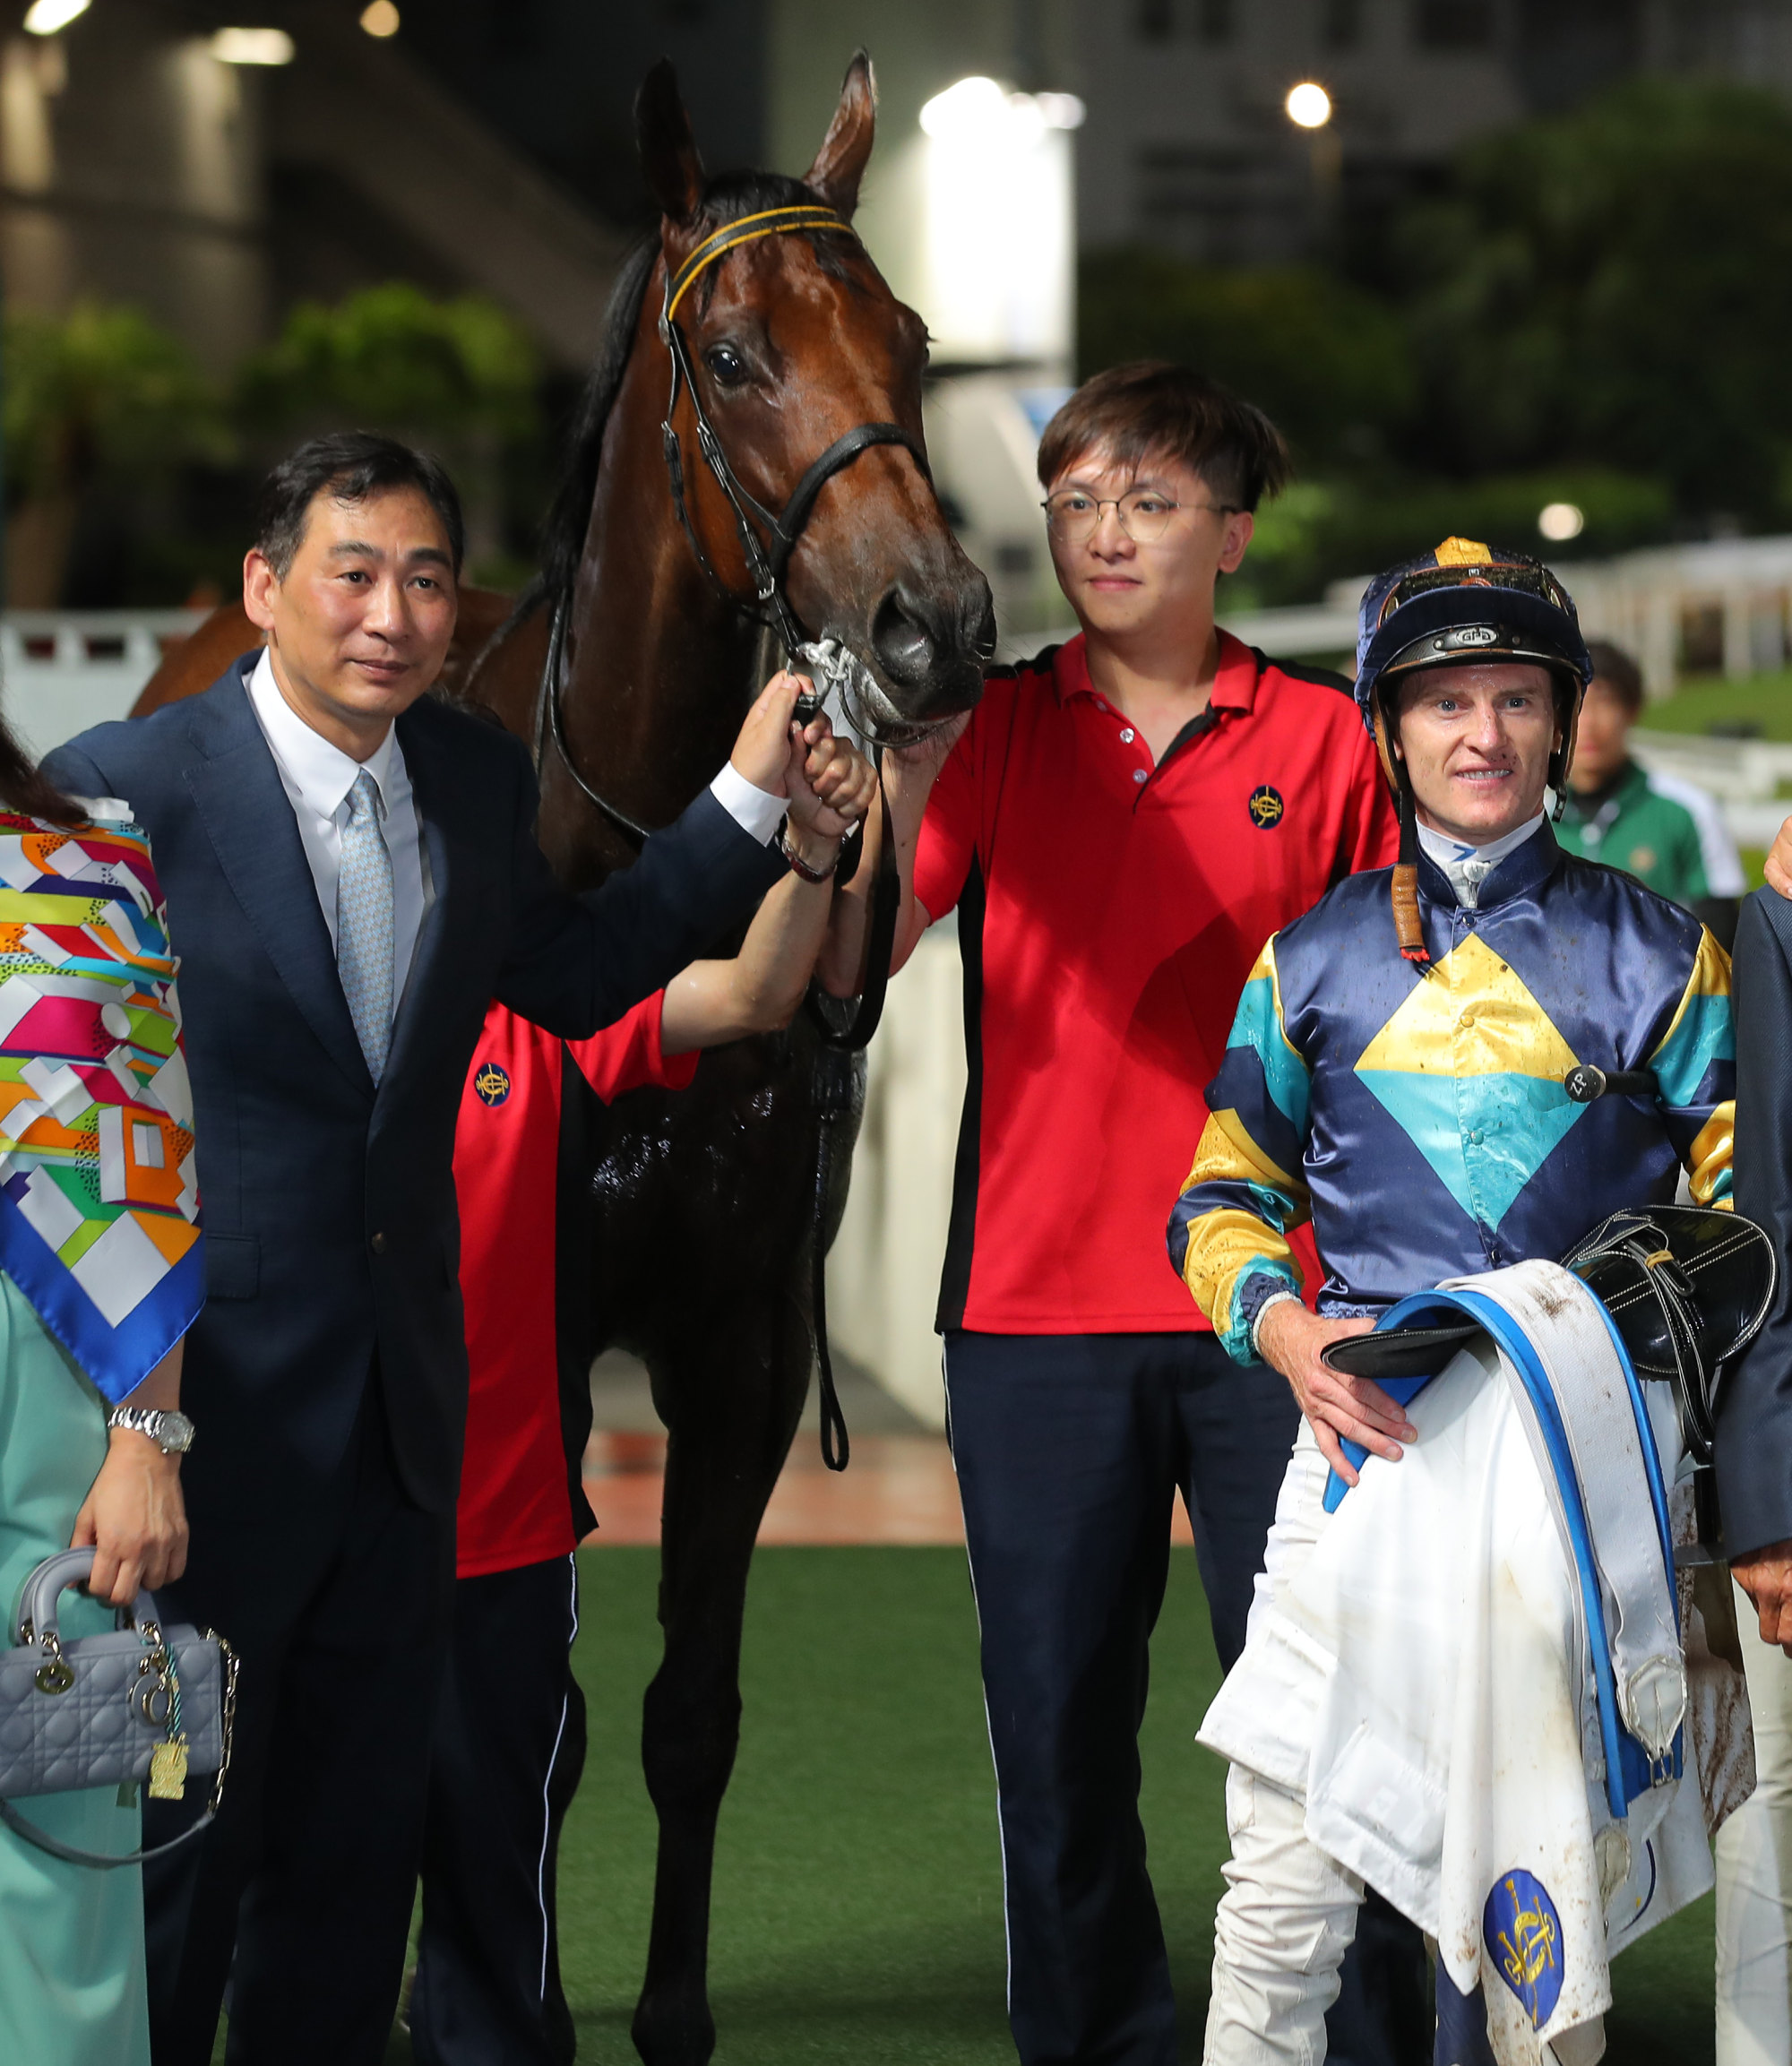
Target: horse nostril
x,y
902,641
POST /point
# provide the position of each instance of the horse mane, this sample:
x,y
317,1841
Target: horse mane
x,y
727,198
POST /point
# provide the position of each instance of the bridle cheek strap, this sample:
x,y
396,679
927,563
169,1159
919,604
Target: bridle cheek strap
x,y
767,558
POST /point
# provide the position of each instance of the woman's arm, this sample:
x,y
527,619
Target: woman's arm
x,y
134,1516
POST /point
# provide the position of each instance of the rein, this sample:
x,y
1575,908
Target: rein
x,y
768,560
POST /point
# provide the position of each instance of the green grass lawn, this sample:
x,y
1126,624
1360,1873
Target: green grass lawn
x,y
858,1889
1704,701
858,1899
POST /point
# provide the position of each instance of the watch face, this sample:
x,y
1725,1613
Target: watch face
x,y
177,1432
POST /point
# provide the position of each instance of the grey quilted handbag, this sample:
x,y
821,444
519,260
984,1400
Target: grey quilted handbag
x,y
142,1702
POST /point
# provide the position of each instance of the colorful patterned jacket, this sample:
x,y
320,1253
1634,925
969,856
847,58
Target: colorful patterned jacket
x,y
1419,1116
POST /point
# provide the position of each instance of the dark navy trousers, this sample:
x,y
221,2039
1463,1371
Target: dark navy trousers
x,y
504,1764
1070,1449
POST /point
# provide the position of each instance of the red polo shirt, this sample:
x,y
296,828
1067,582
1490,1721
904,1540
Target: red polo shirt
x,y
513,1507
1109,911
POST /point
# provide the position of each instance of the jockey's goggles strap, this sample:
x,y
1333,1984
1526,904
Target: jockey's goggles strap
x,y
748,229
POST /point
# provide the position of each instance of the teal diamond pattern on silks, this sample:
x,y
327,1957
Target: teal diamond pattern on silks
x,y
1486,1136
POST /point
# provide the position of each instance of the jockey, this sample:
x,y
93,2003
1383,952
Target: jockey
x,y
1398,1073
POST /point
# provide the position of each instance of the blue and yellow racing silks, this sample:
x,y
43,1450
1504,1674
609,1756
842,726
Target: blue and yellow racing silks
x,y
1419,1116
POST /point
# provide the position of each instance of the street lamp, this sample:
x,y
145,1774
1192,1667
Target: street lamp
x,y
252,46
45,17
1308,105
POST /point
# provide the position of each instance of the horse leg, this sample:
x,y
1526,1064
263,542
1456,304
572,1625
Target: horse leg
x,y
727,1445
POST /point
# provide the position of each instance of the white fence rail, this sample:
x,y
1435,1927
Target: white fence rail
x,y
63,670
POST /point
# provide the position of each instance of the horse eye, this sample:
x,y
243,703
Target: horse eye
x,y
725,364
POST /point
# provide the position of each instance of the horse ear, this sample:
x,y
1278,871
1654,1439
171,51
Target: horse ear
x,y
669,152
846,149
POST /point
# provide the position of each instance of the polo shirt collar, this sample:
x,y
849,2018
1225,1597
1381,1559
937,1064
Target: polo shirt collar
x,y
321,774
1234,685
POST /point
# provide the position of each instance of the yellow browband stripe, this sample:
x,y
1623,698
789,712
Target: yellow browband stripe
x,y
773,221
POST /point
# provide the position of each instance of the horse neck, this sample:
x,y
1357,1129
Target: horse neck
x,y
659,668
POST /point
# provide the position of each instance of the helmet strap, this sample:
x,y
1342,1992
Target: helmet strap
x,y
1409,926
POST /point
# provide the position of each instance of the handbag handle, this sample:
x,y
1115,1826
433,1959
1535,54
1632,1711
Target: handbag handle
x,y
38,1604
56,1848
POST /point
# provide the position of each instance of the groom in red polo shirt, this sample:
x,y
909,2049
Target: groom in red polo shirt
x,y
1121,825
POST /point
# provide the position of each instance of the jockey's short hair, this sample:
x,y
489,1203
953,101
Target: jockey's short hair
x,y
1616,668
352,465
1152,408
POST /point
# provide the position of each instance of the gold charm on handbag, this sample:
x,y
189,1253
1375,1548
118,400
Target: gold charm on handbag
x,y
167,1771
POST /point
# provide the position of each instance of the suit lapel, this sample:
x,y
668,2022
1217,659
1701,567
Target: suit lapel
x,y
246,813
434,972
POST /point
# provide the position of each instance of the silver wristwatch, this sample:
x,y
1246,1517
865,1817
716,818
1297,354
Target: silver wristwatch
x,y
172,1433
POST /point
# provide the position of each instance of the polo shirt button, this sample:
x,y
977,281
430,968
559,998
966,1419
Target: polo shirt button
x,y
1139,774
378,1244
1126,734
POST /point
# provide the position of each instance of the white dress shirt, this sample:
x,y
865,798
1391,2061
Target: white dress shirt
x,y
1467,867
317,777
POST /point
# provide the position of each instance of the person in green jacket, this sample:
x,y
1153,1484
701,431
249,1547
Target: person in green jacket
x,y
1666,832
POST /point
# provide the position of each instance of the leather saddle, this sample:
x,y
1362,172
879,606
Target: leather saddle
x,y
1687,1288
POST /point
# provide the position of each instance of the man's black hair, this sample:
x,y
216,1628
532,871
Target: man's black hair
x,y
352,465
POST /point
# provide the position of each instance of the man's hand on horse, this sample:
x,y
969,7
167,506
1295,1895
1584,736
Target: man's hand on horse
x,y
763,752
1289,1340
1765,1575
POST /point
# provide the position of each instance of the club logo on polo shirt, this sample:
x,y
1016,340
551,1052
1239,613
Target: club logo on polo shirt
x,y
1266,807
492,1083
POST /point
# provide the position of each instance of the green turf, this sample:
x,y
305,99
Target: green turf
x,y
859,1892
1702,701
858,1900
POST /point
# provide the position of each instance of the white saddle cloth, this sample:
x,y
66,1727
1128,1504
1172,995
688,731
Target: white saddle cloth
x,y
1414,1670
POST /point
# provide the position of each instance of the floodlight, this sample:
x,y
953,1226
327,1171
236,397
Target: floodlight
x,y
252,46
973,107
1561,521
47,16
1308,105
380,19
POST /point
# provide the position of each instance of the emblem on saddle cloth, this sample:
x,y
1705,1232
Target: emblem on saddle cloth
x,y
1522,1933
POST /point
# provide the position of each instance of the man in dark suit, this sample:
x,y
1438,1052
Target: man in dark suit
x,y
352,877
1754,1494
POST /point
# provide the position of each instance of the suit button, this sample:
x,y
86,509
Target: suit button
x,y
378,1244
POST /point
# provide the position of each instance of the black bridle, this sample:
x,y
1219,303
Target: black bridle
x,y
768,561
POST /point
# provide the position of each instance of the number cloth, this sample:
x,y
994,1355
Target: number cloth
x,y
513,1507
1414,1688
99,1202
1109,913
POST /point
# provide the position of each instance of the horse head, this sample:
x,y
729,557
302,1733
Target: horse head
x,y
793,342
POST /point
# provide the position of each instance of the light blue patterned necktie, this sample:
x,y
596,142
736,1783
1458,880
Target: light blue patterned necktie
x,y
364,923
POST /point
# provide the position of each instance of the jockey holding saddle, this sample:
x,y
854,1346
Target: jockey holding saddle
x,y
1465,1683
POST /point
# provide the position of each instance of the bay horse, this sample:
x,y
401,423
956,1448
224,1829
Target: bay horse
x,y
690,1220
695,1225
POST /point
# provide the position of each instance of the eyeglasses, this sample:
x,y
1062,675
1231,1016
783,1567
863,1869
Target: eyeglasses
x,y
1144,517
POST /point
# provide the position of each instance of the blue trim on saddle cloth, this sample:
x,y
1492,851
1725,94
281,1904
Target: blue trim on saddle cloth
x,y
1629,1771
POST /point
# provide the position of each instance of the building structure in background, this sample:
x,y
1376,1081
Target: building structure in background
x,y
1189,147
140,163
